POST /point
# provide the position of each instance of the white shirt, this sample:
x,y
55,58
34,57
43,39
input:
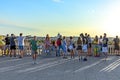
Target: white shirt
x,y
21,41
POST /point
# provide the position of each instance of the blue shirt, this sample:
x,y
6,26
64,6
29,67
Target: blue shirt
x,y
12,41
20,41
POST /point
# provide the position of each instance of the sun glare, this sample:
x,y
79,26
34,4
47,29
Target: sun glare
x,y
112,20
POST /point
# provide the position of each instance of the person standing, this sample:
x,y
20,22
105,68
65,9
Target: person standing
x,y
85,45
105,46
47,44
116,45
79,48
33,45
89,45
96,46
20,40
71,47
7,45
59,46
100,44
64,45
12,46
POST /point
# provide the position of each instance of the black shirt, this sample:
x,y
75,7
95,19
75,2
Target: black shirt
x,y
7,41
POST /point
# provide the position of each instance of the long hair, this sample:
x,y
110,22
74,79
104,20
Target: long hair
x,y
79,41
47,37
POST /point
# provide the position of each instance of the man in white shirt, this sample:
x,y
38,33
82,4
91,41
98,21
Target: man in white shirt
x,y
20,40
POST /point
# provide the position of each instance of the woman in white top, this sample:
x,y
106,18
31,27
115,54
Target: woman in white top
x,y
100,44
71,47
64,46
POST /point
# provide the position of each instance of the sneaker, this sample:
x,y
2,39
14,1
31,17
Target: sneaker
x,y
14,55
34,62
79,59
64,57
85,59
10,55
20,57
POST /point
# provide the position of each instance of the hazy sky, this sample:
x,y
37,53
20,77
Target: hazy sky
x,y
68,17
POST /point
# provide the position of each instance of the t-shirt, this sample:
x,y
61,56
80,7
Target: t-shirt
x,y
100,41
47,42
12,41
33,44
85,40
64,42
95,42
72,43
58,42
7,41
89,40
79,42
20,41
105,42
116,41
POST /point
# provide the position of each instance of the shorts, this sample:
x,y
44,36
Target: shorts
x,y
34,51
84,48
79,47
13,47
104,49
116,47
70,47
74,46
21,47
89,45
6,47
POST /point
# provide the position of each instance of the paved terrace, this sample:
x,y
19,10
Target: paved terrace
x,y
56,68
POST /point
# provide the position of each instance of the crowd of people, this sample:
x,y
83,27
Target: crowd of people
x,y
84,46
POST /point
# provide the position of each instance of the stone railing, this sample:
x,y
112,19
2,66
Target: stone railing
x,y
110,49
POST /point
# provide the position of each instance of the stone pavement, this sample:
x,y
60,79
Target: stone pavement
x,y
57,68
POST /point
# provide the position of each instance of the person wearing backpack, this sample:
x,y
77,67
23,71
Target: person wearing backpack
x,y
59,45
64,45
85,45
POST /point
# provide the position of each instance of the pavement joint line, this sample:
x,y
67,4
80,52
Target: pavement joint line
x,y
111,67
15,59
10,60
48,66
114,67
45,66
89,66
5,69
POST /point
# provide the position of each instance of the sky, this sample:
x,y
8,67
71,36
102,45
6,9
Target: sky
x,y
67,17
